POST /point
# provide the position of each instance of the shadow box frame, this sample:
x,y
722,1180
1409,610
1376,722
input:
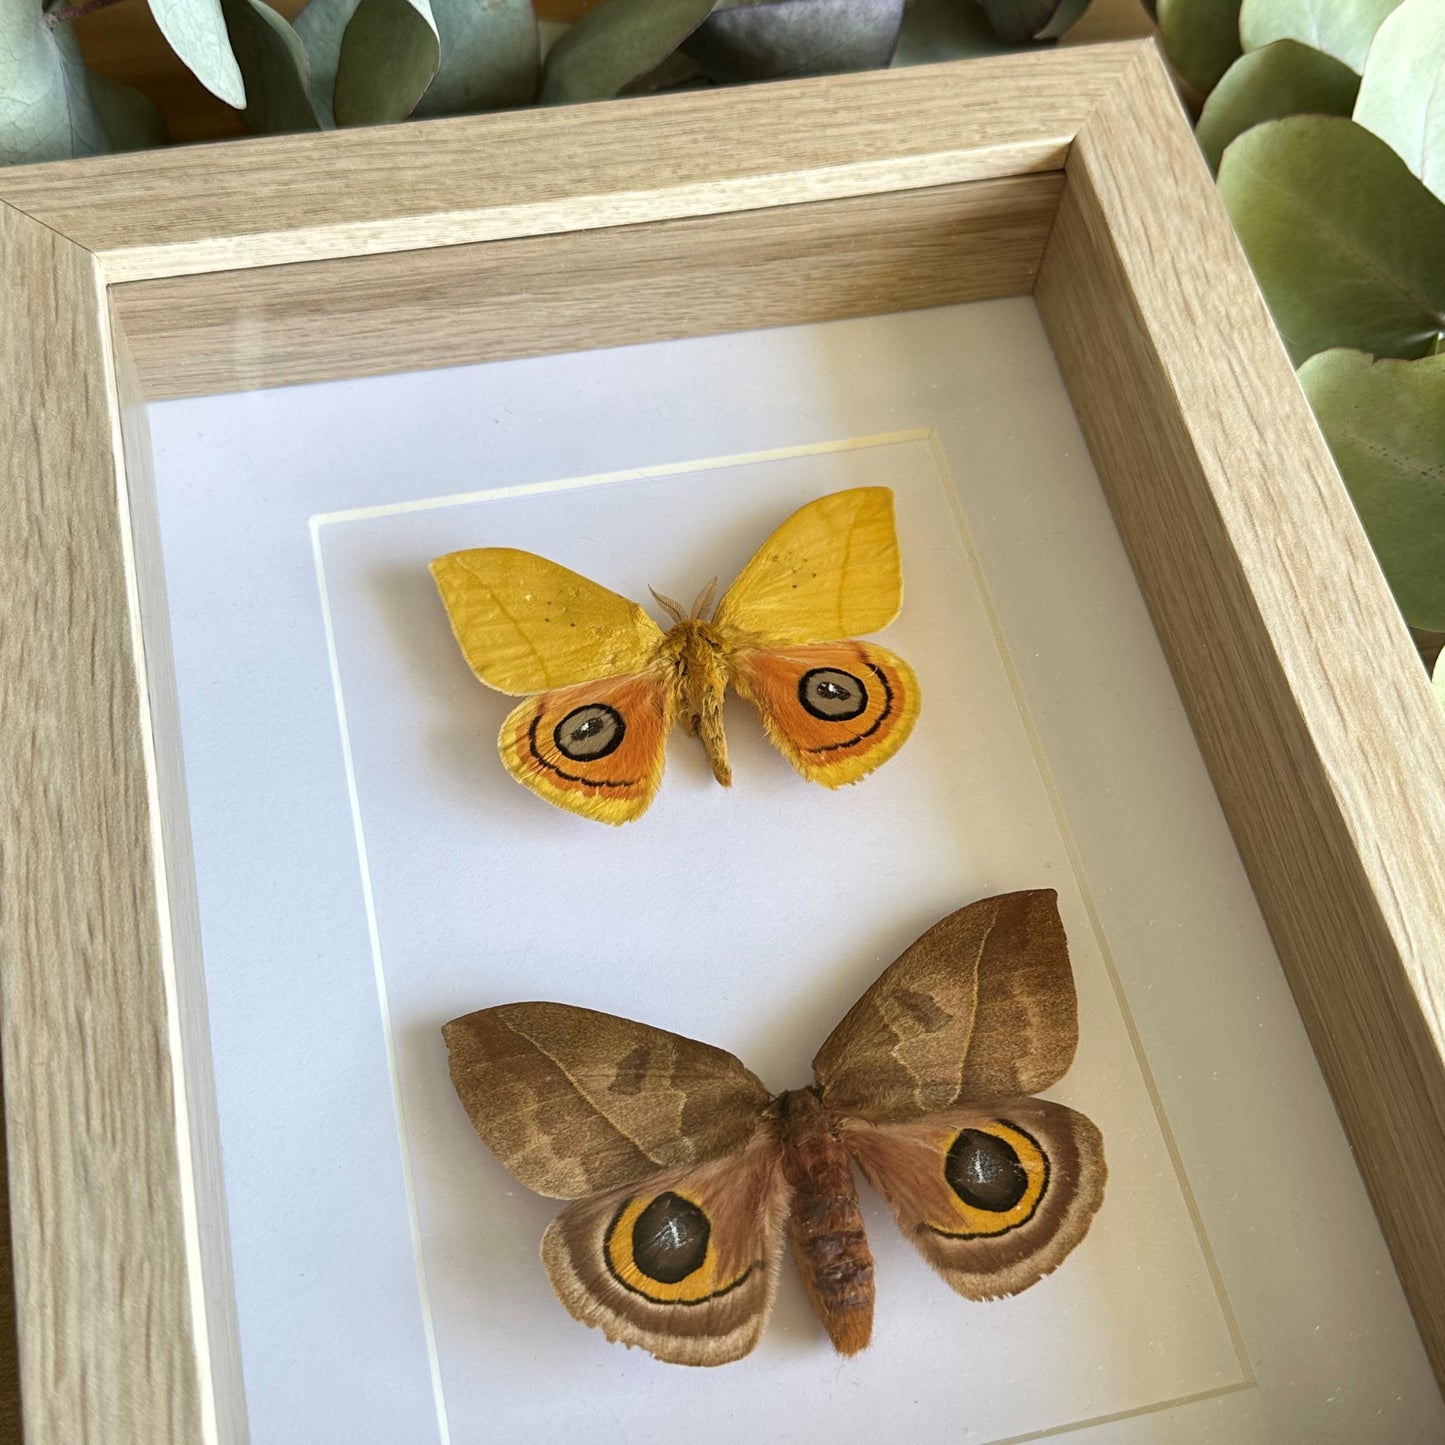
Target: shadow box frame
x,y
1071,175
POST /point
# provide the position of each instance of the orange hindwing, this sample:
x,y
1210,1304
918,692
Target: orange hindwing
x,y
596,748
835,710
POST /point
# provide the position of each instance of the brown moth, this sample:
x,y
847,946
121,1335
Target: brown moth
x,y
686,1171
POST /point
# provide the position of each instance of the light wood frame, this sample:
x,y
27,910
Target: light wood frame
x,y
1071,175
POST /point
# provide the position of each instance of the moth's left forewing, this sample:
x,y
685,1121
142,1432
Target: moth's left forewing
x,y
830,571
683,1264
993,1196
981,1006
925,1078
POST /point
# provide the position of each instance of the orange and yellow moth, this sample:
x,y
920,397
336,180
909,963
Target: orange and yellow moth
x,y
687,1174
605,683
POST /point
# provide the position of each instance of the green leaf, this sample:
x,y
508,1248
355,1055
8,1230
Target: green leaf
x,y
1342,28
615,44
1402,98
776,39
132,120
490,57
1348,246
320,26
1020,21
945,30
1385,423
273,63
1285,78
47,111
389,54
196,31
1201,38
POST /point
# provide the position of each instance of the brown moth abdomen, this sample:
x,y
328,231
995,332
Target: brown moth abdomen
x,y
825,1226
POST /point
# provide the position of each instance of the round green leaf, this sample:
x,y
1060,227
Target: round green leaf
x,y
47,112
1385,423
1348,246
1342,28
389,54
1201,38
196,31
1020,21
774,39
936,30
320,26
132,120
273,64
1402,97
491,57
616,43
1285,78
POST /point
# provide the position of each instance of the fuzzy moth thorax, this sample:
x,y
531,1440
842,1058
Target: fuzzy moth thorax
x,y
696,653
825,1226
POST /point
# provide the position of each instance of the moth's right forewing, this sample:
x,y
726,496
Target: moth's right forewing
x,y
683,1264
981,1006
525,624
574,1102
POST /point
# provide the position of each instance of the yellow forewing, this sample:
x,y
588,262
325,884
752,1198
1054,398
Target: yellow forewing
x,y
830,571
525,624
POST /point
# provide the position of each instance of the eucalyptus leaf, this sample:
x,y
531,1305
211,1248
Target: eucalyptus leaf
x,y
47,110
491,57
1385,424
615,44
1201,38
1285,78
1342,28
196,31
1348,246
389,54
132,120
274,66
1020,21
935,30
320,26
775,39
1402,98
677,72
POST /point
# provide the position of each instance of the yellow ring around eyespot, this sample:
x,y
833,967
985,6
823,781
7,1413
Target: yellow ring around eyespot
x,y
701,1285
973,1223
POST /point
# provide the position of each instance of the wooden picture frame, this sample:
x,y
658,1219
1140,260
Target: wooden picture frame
x,y
1071,175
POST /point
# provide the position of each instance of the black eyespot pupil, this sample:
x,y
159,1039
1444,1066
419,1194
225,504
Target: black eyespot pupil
x,y
985,1172
832,694
670,1238
589,732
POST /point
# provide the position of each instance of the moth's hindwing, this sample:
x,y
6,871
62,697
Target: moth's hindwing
x,y
835,710
994,1197
684,1263
597,749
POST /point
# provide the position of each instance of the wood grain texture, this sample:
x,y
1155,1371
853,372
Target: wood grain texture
x,y
1311,708
449,182
780,266
101,1275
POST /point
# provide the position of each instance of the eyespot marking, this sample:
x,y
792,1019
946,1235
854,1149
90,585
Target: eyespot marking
x,y
589,732
832,694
